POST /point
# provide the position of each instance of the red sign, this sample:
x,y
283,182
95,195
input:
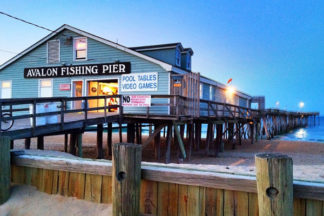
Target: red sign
x,y
65,87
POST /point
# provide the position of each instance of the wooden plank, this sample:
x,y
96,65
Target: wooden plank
x,y
41,183
48,181
173,199
18,174
93,186
299,207
149,197
183,200
106,189
253,204
193,201
314,207
210,201
241,200
63,183
229,202
76,185
202,201
163,199
55,181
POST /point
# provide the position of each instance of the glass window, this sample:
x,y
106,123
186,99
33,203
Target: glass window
x,y
80,48
6,89
46,88
201,91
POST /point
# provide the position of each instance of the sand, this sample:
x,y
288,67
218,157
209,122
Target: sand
x,y
307,156
27,201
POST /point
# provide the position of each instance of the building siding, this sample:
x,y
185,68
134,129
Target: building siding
x,y
97,53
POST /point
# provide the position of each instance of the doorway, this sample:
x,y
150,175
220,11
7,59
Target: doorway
x,y
101,88
77,87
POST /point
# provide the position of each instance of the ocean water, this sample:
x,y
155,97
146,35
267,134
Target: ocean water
x,y
310,133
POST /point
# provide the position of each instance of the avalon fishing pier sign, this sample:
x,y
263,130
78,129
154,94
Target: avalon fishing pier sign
x,y
78,70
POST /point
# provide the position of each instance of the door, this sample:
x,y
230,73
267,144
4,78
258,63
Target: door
x,y
77,92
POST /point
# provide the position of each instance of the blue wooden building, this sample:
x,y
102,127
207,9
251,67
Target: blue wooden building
x,y
71,62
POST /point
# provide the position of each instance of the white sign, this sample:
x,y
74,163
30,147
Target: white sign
x,y
137,100
139,82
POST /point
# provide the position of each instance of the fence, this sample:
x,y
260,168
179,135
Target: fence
x,y
164,190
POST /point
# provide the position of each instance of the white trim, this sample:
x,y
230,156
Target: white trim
x,y
2,88
39,86
71,91
74,53
59,51
164,65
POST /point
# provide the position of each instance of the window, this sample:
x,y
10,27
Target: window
x,y
188,61
178,57
53,51
201,91
6,89
211,93
80,48
46,88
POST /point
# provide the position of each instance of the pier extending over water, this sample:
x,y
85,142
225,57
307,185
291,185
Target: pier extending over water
x,y
181,125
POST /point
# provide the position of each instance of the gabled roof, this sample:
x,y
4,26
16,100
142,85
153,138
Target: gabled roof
x,y
164,65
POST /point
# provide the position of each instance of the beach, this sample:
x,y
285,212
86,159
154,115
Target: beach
x,y
307,156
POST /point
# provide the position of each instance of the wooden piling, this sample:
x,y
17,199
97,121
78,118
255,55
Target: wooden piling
x,y
79,141
219,138
99,141
40,142
72,147
168,144
4,169
157,143
109,138
66,139
126,179
12,144
274,174
27,143
131,133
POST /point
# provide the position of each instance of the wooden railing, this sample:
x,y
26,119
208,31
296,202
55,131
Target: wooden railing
x,y
217,109
17,108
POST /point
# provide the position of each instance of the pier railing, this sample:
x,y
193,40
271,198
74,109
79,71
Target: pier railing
x,y
57,108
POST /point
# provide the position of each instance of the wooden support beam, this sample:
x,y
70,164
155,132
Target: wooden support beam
x,y
151,137
99,141
190,135
180,141
66,140
126,179
157,143
131,133
238,128
231,134
27,143
197,135
209,137
168,144
109,138
120,132
252,132
274,174
5,168
72,149
137,132
40,142
79,141
219,138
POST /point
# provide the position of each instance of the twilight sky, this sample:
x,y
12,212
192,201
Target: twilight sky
x,y
271,48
